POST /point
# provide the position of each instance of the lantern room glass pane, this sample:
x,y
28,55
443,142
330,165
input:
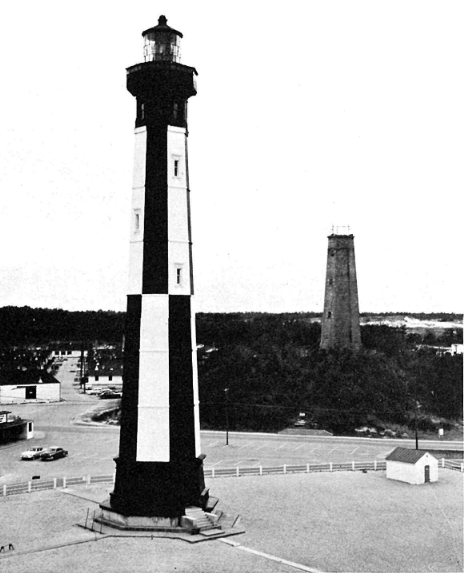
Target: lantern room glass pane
x,y
162,46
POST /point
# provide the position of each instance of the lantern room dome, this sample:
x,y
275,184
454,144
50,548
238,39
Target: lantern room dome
x,y
161,43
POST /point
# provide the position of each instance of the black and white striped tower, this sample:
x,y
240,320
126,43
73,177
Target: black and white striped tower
x,y
159,470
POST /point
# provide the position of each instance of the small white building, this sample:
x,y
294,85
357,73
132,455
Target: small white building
x,y
14,428
412,466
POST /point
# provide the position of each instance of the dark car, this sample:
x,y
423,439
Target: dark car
x,y
53,454
109,394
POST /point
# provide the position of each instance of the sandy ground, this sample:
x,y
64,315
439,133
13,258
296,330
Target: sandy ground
x,y
345,521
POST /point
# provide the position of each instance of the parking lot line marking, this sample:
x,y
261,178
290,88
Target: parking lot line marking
x,y
354,450
261,447
215,464
280,447
336,447
314,449
247,444
273,558
211,444
237,463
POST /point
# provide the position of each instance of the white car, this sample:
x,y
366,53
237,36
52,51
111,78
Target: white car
x,y
368,431
94,391
32,454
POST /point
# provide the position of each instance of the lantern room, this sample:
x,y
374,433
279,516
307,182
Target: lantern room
x,y
161,43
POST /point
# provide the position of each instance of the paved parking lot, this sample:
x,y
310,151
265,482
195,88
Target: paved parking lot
x,y
92,449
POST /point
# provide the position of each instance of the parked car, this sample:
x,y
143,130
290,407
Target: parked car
x,y
94,391
32,454
366,431
389,433
53,454
110,394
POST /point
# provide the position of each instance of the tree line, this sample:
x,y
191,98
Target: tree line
x,y
37,326
268,368
265,369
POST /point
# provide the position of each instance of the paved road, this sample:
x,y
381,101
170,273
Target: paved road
x,y
92,449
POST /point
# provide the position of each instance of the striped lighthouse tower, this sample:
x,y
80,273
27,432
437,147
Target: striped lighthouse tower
x,y
159,470
340,321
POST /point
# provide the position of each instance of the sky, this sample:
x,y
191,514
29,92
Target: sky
x,y
308,115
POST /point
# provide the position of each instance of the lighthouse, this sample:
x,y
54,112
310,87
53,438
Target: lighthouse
x,y
159,469
340,320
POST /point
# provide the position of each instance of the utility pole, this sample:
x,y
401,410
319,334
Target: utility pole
x,y
82,364
226,400
416,406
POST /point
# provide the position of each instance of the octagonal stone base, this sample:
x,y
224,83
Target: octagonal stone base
x,y
112,518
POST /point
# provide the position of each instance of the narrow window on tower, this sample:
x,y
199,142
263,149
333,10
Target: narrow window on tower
x,y
137,221
176,168
178,276
331,282
329,314
142,111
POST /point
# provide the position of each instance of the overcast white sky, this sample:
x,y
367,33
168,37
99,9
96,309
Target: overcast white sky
x,y
308,114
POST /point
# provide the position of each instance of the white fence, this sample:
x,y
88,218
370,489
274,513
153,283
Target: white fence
x,y
39,485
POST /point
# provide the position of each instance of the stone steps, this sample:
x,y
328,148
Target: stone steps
x,y
199,519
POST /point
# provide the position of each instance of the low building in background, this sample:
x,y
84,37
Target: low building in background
x,y
18,386
68,351
105,376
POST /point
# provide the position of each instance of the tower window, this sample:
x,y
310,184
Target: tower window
x,y
142,111
329,314
178,276
176,168
137,221
331,282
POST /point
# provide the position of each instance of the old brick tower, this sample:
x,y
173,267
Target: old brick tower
x,y
340,320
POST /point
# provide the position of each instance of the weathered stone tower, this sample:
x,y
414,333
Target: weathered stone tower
x,y
159,471
340,320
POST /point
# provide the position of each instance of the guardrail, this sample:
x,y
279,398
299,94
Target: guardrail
x,y
39,485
